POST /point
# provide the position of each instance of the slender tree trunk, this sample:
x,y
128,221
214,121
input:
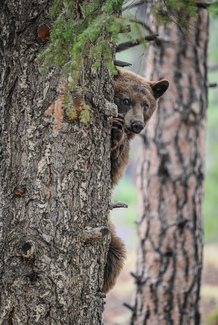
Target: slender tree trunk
x,y
54,182
171,177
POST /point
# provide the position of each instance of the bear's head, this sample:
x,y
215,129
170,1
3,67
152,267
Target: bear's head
x,y
136,98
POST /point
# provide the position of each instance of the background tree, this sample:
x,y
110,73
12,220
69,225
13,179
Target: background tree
x,y
171,177
54,175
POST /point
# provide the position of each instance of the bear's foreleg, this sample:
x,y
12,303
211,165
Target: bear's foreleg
x,y
119,149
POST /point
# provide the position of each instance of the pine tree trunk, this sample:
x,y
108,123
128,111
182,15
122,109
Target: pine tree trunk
x,y
171,177
54,182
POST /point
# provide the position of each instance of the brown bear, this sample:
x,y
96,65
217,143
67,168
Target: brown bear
x,y
136,100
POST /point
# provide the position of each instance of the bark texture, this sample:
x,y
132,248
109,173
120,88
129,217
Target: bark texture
x,y
171,180
54,182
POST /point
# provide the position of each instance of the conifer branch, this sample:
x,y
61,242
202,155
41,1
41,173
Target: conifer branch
x,y
114,205
143,24
203,5
133,5
138,278
122,64
129,307
124,46
199,4
126,29
212,85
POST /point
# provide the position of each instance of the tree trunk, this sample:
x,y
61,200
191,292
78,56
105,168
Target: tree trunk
x,y
171,180
54,182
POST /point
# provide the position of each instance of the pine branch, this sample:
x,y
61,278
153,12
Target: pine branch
x,y
126,29
129,307
143,24
199,4
122,64
124,46
212,85
203,5
115,204
133,5
138,278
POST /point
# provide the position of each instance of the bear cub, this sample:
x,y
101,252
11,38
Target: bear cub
x,y
136,100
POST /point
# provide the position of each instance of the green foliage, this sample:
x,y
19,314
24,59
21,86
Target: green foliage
x,y
213,8
73,113
176,11
82,31
210,204
79,33
69,108
84,115
213,318
87,29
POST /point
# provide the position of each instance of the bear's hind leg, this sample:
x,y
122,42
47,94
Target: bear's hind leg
x,y
115,259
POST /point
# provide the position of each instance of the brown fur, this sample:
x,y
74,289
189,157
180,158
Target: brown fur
x,y
136,99
115,259
139,92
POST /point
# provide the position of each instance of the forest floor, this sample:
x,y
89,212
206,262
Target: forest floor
x,y
116,314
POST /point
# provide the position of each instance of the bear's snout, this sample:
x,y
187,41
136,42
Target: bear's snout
x,y
137,126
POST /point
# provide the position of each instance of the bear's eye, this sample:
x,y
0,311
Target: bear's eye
x,y
126,101
146,107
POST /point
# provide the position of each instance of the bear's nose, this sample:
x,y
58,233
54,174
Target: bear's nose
x,y
137,126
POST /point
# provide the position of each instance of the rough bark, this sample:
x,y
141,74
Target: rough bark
x,y
171,180
54,182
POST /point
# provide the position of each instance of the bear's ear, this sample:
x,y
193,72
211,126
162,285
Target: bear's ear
x,y
159,87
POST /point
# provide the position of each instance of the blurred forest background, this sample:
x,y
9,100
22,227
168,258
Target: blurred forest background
x,y
124,219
